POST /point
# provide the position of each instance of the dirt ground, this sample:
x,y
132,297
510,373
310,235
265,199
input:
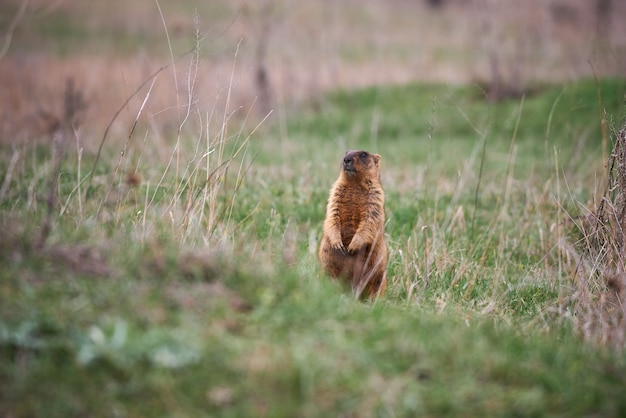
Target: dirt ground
x,y
272,55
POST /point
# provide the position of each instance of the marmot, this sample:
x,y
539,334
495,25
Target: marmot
x,y
353,243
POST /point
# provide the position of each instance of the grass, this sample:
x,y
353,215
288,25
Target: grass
x,y
175,273
194,289
113,29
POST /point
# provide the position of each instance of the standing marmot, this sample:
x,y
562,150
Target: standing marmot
x,y
353,243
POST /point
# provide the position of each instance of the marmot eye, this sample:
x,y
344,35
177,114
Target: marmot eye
x,y
364,155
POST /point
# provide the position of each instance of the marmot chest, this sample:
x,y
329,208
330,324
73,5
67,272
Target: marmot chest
x,y
352,205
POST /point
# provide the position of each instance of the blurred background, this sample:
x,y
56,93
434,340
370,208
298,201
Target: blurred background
x,y
253,57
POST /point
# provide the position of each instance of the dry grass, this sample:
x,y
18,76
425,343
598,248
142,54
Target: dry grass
x,y
311,47
599,276
202,160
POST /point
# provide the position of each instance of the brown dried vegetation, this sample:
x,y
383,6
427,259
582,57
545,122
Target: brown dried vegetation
x,y
289,51
599,277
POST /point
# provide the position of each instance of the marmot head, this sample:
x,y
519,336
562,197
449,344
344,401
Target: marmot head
x,y
361,163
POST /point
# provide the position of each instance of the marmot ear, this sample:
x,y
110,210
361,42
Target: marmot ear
x,y
376,158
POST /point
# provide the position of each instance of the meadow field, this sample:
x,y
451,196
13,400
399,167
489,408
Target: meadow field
x,y
161,207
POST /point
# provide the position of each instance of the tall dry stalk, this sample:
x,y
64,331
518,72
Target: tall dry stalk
x,y
61,129
600,273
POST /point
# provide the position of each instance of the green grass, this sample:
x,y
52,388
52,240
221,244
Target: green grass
x,y
183,297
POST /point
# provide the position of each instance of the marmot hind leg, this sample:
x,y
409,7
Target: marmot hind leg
x,y
369,278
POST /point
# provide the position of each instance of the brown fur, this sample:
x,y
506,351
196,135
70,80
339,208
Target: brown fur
x,y
353,243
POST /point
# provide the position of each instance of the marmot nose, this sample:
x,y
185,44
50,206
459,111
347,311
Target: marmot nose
x,y
347,160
